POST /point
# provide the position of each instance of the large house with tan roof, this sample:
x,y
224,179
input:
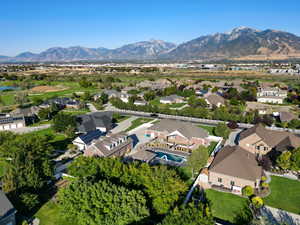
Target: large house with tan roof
x,y
179,135
260,140
234,168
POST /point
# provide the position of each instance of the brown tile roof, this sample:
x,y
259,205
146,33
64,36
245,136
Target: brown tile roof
x,y
187,129
273,138
237,162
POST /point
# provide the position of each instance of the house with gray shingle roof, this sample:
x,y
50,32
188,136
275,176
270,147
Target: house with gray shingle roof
x,y
181,135
7,211
94,121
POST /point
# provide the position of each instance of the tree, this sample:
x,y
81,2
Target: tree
x,y
294,124
222,130
283,161
104,98
29,170
102,203
257,202
265,162
194,101
85,83
247,191
197,159
62,120
295,159
149,95
189,215
44,114
232,125
86,96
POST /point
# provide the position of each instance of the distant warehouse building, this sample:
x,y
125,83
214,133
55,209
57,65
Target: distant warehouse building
x,y
9,122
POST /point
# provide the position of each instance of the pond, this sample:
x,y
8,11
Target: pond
x,y
7,88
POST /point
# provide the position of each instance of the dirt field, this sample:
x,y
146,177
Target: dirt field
x,y
47,88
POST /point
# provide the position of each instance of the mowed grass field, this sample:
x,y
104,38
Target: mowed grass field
x,y
49,214
225,206
285,194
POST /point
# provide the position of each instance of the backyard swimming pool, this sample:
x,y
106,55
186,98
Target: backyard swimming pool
x,y
170,157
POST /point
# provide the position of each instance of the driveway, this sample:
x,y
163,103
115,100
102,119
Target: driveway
x,y
138,135
123,125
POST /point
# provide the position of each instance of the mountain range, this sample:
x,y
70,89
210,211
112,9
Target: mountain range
x,y
241,43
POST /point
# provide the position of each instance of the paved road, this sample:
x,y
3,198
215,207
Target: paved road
x,y
123,125
24,130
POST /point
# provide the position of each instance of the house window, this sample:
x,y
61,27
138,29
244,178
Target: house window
x,y
265,148
257,147
232,183
220,180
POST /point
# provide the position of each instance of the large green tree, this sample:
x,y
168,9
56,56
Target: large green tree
x,y
102,203
197,159
161,184
189,215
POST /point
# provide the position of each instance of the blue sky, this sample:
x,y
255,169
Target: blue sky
x,y
35,25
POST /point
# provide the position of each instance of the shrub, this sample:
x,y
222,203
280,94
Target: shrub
x,y
263,178
257,202
264,185
247,191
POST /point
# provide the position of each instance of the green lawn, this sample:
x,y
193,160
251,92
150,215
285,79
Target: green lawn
x,y
176,105
209,129
118,118
285,194
225,205
137,122
58,141
49,215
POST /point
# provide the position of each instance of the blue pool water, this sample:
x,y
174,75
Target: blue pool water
x,y
170,157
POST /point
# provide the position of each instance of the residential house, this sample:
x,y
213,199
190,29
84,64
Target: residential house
x,y
261,141
234,168
84,140
171,99
62,103
214,100
138,102
112,145
178,135
9,122
271,95
101,121
287,116
30,113
7,211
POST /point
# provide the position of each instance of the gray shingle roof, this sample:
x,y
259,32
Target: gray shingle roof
x,y
89,122
187,129
6,208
